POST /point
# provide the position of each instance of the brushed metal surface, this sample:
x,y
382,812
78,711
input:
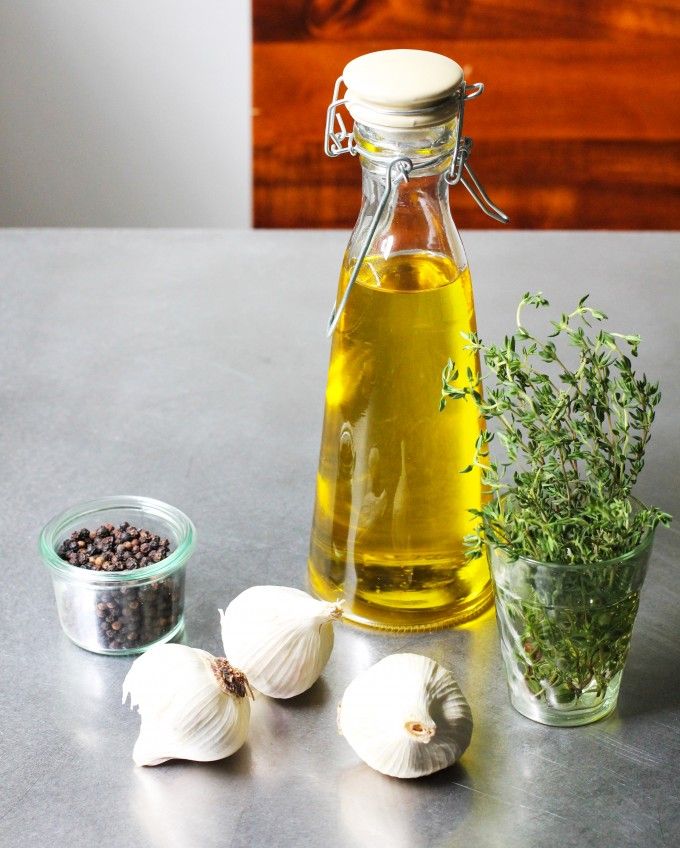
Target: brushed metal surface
x,y
190,366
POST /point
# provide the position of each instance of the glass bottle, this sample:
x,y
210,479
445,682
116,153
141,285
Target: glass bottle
x,y
392,506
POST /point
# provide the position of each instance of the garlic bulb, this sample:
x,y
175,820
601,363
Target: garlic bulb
x,y
406,716
280,637
193,706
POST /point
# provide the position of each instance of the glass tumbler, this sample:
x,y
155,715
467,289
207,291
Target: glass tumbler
x,y
565,632
120,612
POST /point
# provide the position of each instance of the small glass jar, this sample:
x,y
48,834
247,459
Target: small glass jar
x,y
120,612
565,632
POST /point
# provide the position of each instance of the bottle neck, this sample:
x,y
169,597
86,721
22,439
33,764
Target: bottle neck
x,y
432,186
430,149
417,217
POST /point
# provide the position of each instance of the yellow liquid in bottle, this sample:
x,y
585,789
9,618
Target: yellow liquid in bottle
x,y
391,504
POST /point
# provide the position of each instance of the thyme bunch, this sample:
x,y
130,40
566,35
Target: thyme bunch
x,y
574,420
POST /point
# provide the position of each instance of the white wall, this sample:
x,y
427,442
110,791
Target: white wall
x,y
125,113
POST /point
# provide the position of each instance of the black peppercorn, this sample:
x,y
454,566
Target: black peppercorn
x,y
126,616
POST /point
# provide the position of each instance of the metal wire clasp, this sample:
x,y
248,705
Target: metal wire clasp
x,y
397,171
339,140
334,137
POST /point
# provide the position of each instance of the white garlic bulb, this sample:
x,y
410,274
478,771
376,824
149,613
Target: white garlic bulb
x,y
194,706
406,716
280,637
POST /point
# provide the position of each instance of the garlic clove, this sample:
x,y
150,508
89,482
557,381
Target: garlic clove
x,y
193,706
280,637
406,716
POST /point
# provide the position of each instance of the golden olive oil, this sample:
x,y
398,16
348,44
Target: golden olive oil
x,y
391,504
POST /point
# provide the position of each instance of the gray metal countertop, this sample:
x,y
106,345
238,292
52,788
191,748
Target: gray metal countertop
x,y
190,366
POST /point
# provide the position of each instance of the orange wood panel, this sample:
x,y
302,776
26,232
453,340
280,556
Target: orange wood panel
x,y
578,128
286,20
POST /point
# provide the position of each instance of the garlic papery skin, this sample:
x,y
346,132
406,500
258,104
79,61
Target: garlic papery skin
x,y
194,706
406,716
281,638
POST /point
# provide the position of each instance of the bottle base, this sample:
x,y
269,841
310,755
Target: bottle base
x,y
376,617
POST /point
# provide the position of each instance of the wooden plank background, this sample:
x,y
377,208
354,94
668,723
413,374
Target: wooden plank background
x,y
579,126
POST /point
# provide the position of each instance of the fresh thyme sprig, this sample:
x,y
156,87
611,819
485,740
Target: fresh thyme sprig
x,y
574,439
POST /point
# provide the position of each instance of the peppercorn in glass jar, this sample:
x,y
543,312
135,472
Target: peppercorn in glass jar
x,y
118,570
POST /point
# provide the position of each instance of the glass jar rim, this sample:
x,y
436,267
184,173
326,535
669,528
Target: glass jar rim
x,y
175,518
633,553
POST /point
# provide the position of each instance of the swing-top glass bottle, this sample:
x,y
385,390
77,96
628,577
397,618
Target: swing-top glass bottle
x,y
392,506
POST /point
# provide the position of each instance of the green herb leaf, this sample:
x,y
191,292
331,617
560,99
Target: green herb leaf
x,y
574,437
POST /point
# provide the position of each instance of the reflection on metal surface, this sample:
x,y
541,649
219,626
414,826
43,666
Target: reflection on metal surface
x,y
377,810
87,676
361,653
175,805
385,811
482,621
